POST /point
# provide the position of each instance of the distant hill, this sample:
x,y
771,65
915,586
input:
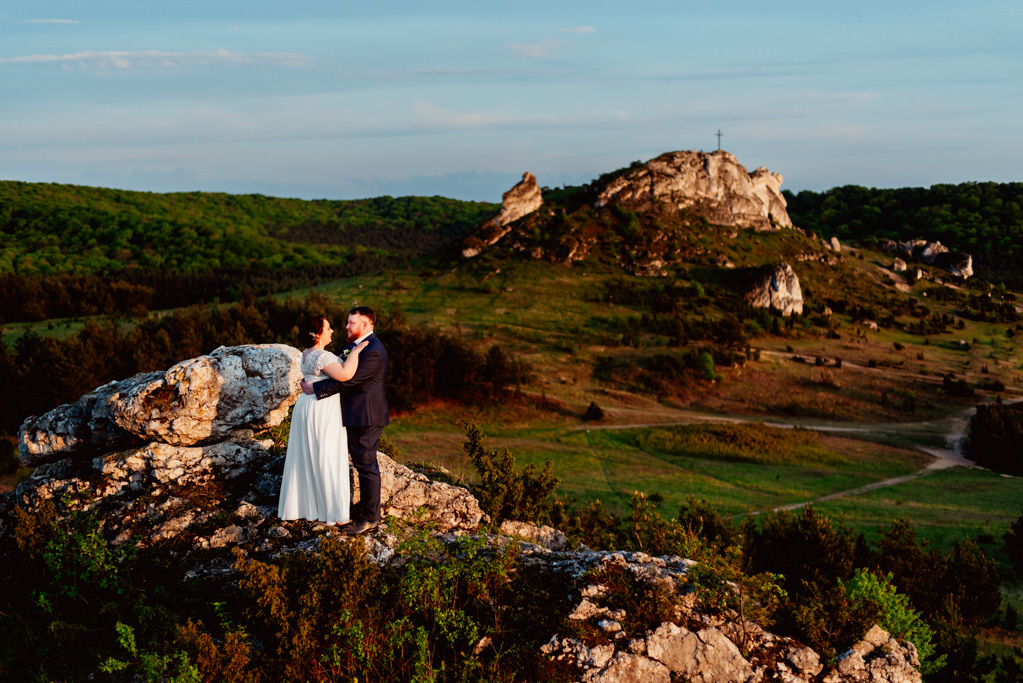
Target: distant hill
x,y
72,250
983,219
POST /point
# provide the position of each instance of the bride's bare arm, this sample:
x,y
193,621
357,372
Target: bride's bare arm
x,y
343,372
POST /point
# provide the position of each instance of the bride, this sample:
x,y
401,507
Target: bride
x,y
315,484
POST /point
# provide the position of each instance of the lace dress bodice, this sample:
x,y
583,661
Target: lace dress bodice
x,y
313,362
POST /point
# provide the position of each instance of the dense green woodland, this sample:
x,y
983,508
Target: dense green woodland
x,y
71,250
982,219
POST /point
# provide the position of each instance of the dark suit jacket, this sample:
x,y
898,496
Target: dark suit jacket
x,y
363,402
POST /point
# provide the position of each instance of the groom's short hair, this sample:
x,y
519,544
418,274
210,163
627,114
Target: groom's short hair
x,y
366,312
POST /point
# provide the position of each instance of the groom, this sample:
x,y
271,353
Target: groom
x,y
363,413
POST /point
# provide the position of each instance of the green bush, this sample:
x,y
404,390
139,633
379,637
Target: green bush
x,y
503,492
897,615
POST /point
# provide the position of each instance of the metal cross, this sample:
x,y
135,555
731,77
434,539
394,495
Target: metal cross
x,y
719,139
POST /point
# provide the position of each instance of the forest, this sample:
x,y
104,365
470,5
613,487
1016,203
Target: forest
x,y
983,219
71,251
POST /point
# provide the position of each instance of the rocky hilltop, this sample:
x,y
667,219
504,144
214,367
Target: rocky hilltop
x,y
648,217
713,185
177,459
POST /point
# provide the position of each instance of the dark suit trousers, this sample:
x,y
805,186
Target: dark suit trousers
x,y
363,443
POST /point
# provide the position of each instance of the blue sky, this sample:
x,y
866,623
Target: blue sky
x,y
335,99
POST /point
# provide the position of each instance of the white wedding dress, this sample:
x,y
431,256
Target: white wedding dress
x,y
315,484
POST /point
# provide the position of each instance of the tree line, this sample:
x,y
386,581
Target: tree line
x,y
64,245
40,372
982,219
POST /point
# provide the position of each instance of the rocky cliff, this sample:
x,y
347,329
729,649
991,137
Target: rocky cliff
x,y
174,458
522,199
713,185
777,287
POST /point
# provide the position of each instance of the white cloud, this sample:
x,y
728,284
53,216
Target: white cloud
x,y
582,30
52,21
149,58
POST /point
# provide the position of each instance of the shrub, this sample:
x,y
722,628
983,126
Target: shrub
x,y
723,586
502,492
593,412
897,615
803,547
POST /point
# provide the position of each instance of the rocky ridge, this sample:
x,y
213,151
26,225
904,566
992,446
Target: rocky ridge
x,y
697,188
158,466
714,185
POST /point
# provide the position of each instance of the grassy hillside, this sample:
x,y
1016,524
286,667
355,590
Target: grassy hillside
x,y
669,385
71,250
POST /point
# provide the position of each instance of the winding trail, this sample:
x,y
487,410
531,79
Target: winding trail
x,y
950,430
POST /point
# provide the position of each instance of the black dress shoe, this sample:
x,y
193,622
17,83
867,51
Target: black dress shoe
x,y
360,527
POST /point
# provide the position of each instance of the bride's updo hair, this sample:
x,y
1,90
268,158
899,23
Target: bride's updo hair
x,y
310,329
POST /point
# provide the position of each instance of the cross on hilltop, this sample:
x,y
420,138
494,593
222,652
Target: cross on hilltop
x,y
719,139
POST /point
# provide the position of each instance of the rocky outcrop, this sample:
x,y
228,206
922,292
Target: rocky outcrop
x,y
161,435
201,400
700,647
524,198
935,254
714,186
216,498
833,244
777,287
878,657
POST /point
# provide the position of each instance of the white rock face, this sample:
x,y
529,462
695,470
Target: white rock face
x,y
714,185
935,254
404,494
200,400
522,199
778,288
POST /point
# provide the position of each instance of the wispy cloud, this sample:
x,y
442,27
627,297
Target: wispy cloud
x,y
539,49
52,21
119,59
581,30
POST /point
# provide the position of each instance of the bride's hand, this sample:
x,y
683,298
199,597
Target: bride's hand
x,y
360,347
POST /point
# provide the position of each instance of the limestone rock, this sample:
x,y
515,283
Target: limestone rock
x,y
545,536
935,254
629,668
522,199
898,265
405,494
804,660
833,244
704,657
777,287
197,401
712,185
878,657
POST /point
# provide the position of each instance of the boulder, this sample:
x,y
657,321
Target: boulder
x,y
777,287
935,254
712,185
196,401
833,244
522,199
898,265
878,657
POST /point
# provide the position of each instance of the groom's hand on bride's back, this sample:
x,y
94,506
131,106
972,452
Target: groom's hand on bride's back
x,y
307,387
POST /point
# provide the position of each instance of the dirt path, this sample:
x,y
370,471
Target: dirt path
x,y
951,429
